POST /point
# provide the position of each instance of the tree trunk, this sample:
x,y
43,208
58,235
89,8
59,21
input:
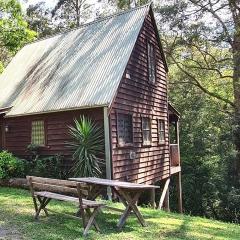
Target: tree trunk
x,y
78,6
236,86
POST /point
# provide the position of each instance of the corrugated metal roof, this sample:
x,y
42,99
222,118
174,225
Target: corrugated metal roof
x,y
80,68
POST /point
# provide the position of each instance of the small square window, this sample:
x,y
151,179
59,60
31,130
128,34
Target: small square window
x,y
38,133
124,129
151,63
161,130
146,131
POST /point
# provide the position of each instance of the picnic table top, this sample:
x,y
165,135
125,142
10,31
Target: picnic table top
x,y
113,183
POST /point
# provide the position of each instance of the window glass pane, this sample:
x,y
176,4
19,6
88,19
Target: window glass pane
x,y
161,125
38,133
124,124
161,130
146,123
146,136
146,130
151,63
161,136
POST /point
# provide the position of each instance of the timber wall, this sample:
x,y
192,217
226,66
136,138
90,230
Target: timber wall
x,y
56,132
138,97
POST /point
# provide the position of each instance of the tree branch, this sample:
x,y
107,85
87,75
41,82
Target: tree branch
x,y
199,85
216,16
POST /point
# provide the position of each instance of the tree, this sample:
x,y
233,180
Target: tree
x,y
203,26
206,145
71,12
127,4
39,18
14,31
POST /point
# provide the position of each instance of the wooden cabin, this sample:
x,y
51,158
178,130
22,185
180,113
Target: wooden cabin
x,y
112,70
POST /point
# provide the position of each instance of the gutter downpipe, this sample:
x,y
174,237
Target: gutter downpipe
x,y
107,150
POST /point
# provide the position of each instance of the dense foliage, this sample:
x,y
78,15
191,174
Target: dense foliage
x,y
10,166
206,154
14,31
44,166
36,164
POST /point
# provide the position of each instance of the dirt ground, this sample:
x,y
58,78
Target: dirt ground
x,y
9,233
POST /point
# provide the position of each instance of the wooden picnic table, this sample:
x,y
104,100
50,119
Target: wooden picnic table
x,y
127,192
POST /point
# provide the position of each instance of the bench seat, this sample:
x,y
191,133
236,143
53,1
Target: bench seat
x,y
43,190
60,197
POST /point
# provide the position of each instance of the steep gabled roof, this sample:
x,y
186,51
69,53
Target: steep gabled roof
x,y
76,69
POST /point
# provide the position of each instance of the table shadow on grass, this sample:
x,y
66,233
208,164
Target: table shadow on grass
x,y
63,227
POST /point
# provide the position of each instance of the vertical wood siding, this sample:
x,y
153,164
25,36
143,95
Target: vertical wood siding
x,y
56,131
138,97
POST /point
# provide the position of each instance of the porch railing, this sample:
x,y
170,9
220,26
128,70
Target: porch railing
x,y
174,155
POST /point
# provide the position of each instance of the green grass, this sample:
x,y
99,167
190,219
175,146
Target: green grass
x,y
16,212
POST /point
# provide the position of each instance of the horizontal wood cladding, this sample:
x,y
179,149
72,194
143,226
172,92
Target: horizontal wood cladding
x,y
56,132
138,97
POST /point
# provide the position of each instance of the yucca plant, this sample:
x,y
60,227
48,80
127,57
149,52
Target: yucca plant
x,y
88,145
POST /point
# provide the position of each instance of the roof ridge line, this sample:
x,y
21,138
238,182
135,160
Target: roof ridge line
x,y
92,22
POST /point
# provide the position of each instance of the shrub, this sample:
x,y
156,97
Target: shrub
x,y
44,166
49,166
88,145
33,149
11,166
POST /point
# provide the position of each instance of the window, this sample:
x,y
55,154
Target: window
x,y
125,129
146,130
161,131
38,133
151,63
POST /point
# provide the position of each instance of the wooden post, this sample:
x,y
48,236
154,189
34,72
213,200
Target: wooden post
x,y
153,203
179,192
107,150
164,193
166,205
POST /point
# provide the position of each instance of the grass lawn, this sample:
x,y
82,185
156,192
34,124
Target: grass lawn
x,y
16,215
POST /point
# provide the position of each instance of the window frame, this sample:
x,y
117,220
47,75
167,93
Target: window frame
x,y
120,143
44,131
161,131
147,143
149,62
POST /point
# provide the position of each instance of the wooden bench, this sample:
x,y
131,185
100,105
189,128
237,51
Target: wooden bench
x,y
43,190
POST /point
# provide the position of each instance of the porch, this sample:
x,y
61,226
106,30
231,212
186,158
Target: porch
x,y
174,140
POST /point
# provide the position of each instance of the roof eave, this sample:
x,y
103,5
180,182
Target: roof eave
x,y
56,111
174,110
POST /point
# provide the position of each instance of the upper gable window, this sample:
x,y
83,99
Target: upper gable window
x,y
151,63
38,133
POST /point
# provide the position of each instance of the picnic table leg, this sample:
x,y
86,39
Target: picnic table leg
x,y
124,217
131,201
44,209
35,203
94,221
43,204
120,197
90,221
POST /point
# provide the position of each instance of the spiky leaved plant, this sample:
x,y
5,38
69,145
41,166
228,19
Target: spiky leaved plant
x,y
87,144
